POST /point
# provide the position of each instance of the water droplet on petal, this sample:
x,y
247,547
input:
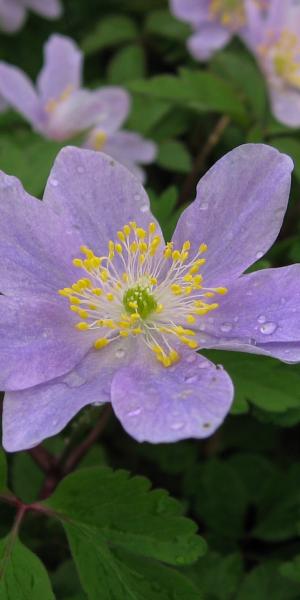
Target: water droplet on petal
x,y
134,413
177,425
191,379
268,328
54,182
261,319
203,206
97,403
144,208
259,255
226,327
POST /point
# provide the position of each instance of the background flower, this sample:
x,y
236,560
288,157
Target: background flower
x,y
13,12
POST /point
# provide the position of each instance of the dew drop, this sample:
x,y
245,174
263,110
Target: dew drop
x,y
261,319
203,206
191,379
144,208
268,328
54,182
134,413
177,425
97,403
226,327
120,353
259,255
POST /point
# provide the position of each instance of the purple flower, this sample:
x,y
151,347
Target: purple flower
x,y
140,308
59,108
13,12
214,22
274,39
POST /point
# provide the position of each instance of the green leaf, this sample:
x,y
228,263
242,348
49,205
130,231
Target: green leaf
x,y
22,575
127,514
110,31
27,478
265,382
3,470
265,582
199,90
127,64
29,157
291,146
218,576
174,156
291,569
106,573
163,24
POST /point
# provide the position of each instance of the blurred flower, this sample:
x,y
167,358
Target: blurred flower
x,y
214,21
140,308
13,12
59,108
274,39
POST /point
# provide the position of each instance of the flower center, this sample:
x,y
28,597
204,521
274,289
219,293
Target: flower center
x,y
286,58
142,288
231,13
98,139
54,103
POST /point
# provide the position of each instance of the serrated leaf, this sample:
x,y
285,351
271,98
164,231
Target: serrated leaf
x,y
106,573
127,514
265,382
22,575
110,31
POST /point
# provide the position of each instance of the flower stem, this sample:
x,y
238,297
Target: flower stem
x,y
191,181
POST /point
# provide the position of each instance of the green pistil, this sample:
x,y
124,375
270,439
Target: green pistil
x,y
145,302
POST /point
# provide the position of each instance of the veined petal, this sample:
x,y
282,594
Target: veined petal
x,y
34,414
36,246
96,196
17,89
62,68
238,211
38,340
161,405
260,314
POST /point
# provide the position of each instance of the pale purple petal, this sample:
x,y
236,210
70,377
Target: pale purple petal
x,y
95,195
50,9
130,149
260,314
208,38
80,111
192,11
238,211
115,106
17,89
32,415
156,404
12,15
62,68
38,340
286,105
36,245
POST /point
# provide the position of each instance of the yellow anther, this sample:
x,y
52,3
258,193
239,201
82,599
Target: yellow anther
x,y
202,248
141,233
186,246
184,256
209,294
152,228
135,316
124,333
221,290
65,292
97,291
92,306
126,230
133,247
85,250
110,297
98,140
188,277
82,313
74,300
137,330
190,319
133,304
174,356
142,258
104,276
159,308
119,248
176,289
125,277
176,255
132,224
121,236
143,247
77,262
153,280
111,247
100,343
82,326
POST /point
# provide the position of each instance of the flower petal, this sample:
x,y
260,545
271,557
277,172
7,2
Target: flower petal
x,y
36,245
34,414
207,39
12,15
130,149
238,211
84,109
38,340
62,68
260,314
96,196
115,106
17,89
156,405
286,105
51,9
191,11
